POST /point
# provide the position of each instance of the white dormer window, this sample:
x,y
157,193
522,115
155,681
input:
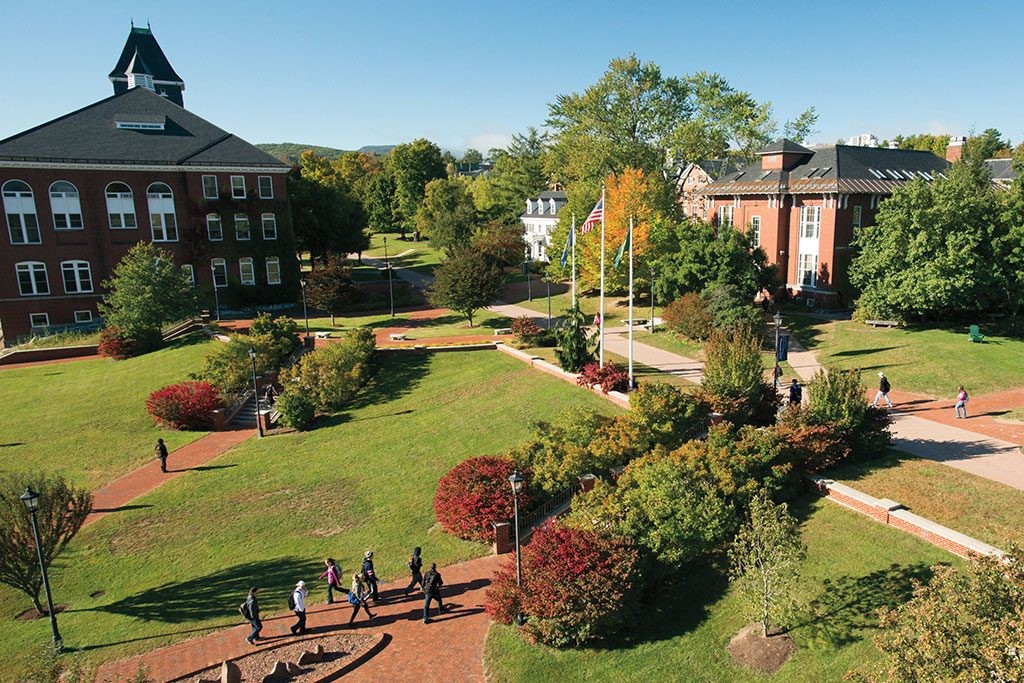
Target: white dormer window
x,y
551,207
529,206
139,122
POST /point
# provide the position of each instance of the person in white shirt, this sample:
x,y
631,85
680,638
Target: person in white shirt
x,y
299,607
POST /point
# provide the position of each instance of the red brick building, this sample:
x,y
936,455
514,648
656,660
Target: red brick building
x,y
80,190
804,206
692,178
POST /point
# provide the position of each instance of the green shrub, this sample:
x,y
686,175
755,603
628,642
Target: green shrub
x,y
296,408
734,383
688,315
663,415
332,375
561,451
229,367
728,307
573,350
281,334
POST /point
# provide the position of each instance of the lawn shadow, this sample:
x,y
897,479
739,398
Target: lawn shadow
x,y
124,508
852,471
394,375
190,339
864,352
495,323
12,444
205,468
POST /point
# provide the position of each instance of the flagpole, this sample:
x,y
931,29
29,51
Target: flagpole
x,y
631,303
601,308
572,236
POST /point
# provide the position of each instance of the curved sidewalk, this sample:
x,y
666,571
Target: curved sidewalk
x,y
450,648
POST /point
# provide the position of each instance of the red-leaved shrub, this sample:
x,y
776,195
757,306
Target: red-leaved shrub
x,y
474,494
577,585
115,344
689,316
525,329
610,378
185,405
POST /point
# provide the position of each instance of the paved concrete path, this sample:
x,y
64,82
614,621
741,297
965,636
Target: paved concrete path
x,y
663,361
448,649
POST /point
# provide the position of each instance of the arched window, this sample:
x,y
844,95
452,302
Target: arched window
x,y
121,207
161,213
66,207
32,278
77,277
20,207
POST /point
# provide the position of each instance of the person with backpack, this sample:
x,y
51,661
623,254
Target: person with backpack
x,y
161,454
961,403
357,597
883,390
369,576
415,565
333,576
432,583
796,393
250,610
297,604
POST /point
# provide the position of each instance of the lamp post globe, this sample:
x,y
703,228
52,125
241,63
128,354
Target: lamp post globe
x,y
31,500
256,391
516,480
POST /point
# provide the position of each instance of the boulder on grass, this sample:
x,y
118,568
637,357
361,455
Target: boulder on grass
x,y
230,673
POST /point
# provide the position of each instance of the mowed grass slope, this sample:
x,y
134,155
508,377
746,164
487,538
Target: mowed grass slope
x,y
267,512
853,567
87,419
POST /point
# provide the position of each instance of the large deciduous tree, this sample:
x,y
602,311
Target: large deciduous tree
x,y
465,282
447,216
330,287
61,513
733,383
413,165
518,173
146,291
327,217
379,201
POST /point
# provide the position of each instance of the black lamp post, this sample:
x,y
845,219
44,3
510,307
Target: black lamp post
x,y
547,281
305,314
256,391
778,323
526,269
517,485
391,288
31,500
216,298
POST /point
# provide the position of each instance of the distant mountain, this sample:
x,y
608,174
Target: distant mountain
x,y
289,152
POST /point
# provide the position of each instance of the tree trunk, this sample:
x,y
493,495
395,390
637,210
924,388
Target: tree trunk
x,y
332,319
38,605
470,316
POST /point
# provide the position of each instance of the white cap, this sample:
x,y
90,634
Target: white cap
x,y
300,584
881,374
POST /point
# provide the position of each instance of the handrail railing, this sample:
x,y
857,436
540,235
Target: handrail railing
x,y
546,509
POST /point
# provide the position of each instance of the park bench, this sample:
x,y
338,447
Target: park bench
x,y
397,336
502,330
640,322
882,323
975,334
322,335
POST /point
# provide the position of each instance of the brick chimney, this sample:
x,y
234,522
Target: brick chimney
x,y
955,149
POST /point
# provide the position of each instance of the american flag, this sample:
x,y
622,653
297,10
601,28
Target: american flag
x,y
595,216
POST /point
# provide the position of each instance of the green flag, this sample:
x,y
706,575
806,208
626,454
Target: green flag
x,y
623,250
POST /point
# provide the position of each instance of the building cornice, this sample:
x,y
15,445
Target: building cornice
x,y
176,168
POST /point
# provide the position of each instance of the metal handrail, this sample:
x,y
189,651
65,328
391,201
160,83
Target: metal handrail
x,y
545,510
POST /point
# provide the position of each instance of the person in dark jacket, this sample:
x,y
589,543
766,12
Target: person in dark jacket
x,y
369,576
883,390
415,565
252,609
796,393
432,583
161,454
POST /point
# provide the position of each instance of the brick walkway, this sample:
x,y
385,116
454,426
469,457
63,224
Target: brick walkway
x,y
127,488
983,411
448,649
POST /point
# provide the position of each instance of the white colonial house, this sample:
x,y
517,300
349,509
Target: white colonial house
x,y
539,221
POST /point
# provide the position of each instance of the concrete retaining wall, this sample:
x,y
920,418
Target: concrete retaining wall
x,y
616,397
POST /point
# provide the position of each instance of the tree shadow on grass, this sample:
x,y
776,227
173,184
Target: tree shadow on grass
x,y
853,471
394,375
864,352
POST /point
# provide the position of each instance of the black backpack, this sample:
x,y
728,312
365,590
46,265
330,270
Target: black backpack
x,y
291,601
243,609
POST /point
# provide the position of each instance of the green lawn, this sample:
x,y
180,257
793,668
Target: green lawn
x,y
853,567
928,361
616,309
422,255
987,510
87,419
450,324
270,510
643,373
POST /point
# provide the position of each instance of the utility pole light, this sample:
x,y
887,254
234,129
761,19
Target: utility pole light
x,y
305,315
516,480
387,264
256,391
31,500
216,299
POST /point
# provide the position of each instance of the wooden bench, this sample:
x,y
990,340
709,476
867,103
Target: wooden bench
x,y
397,336
882,323
639,322
502,330
322,335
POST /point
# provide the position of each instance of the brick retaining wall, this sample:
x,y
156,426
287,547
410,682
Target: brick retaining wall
x,y
56,353
616,397
893,514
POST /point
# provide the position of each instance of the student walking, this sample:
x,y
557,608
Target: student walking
x,y
961,403
796,393
333,576
357,597
297,603
883,390
432,583
161,454
415,565
251,611
369,576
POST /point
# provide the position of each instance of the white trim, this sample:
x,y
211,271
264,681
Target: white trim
x,y
33,326
76,271
124,79
216,186
242,263
140,167
31,269
263,224
243,188
248,227
213,268
277,262
259,187
83,322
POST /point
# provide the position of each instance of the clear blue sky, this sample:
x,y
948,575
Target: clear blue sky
x,y
347,74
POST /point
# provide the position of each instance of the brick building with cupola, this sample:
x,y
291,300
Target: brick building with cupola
x,y
804,206
80,190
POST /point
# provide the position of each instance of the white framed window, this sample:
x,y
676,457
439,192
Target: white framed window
x,y
808,270
247,271
269,221
77,277
83,317
238,187
32,279
241,227
725,216
810,221
858,213
273,270
266,187
161,213
120,207
39,320
220,272
214,229
190,273
20,207
66,206
755,230
210,190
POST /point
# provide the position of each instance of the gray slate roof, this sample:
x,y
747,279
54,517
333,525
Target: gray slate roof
x,y
836,168
143,41
89,135
1001,169
784,145
561,199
